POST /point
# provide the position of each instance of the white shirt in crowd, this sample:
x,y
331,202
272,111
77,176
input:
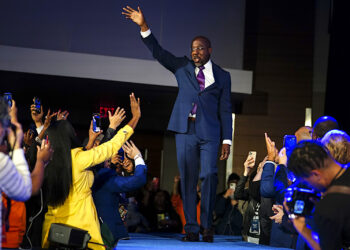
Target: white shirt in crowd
x,y
15,180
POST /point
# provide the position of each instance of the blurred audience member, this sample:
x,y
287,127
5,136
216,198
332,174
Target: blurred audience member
x,y
15,179
228,219
107,188
162,216
274,181
338,144
303,133
177,203
251,222
322,125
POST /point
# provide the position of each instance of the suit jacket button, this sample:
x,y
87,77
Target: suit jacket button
x,y
200,94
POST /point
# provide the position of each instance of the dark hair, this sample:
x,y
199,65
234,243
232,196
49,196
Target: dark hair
x,y
58,173
307,155
4,113
204,39
233,177
323,125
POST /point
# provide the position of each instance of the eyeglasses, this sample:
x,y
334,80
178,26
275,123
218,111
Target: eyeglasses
x,y
197,48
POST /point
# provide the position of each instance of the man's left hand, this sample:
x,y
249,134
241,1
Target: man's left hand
x,y
225,151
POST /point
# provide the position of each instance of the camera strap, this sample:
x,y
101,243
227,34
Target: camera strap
x,y
340,189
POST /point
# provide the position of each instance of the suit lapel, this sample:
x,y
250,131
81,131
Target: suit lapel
x,y
191,73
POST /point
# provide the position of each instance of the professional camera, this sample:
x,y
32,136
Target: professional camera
x,y
301,200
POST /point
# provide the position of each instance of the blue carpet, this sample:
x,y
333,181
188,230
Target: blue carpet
x,y
173,242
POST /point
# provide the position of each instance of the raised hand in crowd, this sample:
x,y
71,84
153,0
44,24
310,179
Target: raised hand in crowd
x,y
14,137
259,170
136,16
248,165
62,115
28,137
116,119
272,152
131,150
92,137
282,157
135,110
47,123
43,157
44,152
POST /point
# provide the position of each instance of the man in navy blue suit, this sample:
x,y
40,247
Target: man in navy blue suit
x,y
201,119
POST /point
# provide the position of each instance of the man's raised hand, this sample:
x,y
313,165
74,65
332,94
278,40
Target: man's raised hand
x,y
136,16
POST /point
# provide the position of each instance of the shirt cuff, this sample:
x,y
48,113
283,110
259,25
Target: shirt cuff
x,y
146,33
39,129
274,163
139,161
229,142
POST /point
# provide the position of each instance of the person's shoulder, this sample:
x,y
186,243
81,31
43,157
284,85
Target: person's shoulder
x,y
219,69
332,205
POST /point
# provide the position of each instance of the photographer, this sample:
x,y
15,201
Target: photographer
x,y
311,162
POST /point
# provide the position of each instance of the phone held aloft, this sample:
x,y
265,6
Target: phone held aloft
x,y
96,122
289,142
37,104
8,98
252,154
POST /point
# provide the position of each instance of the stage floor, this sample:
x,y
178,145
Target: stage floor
x,y
173,242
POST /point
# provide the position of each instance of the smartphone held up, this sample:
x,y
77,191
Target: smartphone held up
x,y
8,98
37,104
252,154
96,122
289,142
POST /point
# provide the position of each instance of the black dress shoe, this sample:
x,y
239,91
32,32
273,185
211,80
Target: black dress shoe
x,y
191,237
208,235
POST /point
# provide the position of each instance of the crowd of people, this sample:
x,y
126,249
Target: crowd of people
x,y
101,186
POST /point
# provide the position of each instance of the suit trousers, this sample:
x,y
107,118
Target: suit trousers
x,y
197,157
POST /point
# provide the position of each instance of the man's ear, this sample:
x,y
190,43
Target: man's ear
x,y
210,50
316,173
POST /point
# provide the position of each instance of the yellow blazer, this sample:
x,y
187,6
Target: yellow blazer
x,y
79,209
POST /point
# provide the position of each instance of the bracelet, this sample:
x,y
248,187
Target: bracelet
x,y
137,156
38,140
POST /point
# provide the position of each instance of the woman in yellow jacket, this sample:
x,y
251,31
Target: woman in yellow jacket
x,y
68,179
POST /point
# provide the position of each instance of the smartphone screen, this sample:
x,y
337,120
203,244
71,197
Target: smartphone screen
x,y
252,154
96,122
299,207
37,104
289,141
8,99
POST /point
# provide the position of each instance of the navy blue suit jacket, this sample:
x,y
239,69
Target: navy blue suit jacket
x,y
105,191
214,114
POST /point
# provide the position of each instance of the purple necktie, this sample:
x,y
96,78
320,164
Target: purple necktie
x,y
201,82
